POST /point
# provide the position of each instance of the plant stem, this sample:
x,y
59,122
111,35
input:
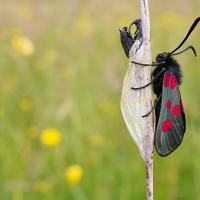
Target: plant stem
x,y
149,180
150,127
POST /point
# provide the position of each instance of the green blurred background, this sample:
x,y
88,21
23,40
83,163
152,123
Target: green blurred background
x,y
61,73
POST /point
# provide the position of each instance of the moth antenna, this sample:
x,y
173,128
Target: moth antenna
x,y
187,48
188,34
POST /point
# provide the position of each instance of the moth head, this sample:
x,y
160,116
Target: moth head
x,y
162,57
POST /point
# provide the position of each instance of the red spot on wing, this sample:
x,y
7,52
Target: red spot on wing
x,y
166,125
173,82
166,79
168,103
176,110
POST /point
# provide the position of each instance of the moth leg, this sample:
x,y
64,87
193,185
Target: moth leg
x,y
155,104
152,64
144,86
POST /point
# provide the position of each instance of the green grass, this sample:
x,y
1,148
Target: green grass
x,y
78,94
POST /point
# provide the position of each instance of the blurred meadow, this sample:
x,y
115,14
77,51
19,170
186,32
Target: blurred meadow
x,y
61,73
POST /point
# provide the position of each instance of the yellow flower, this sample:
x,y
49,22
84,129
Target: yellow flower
x,y
109,108
95,139
73,174
84,25
50,137
22,45
50,56
26,105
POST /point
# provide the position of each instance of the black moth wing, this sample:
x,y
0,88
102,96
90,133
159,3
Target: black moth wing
x,y
171,123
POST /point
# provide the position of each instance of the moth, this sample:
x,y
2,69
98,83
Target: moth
x,y
166,79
